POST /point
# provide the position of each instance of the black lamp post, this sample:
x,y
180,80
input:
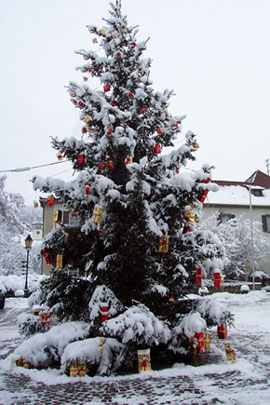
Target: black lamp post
x,y
28,246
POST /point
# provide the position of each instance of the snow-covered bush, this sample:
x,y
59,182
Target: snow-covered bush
x,y
101,356
137,324
29,325
45,349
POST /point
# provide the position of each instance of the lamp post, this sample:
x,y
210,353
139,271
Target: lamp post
x,y
251,238
28,246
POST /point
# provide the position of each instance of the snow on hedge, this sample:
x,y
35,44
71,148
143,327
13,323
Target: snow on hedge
x,y
44,349
14,282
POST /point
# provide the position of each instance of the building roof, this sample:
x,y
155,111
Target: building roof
x,y
259,178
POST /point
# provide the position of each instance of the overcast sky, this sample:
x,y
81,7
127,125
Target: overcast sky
x,y
215,54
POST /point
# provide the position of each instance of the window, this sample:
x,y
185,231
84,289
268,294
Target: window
x,y
257,192
70,219
223,217
266,223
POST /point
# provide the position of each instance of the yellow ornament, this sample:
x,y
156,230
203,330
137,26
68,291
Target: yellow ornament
x,y
87,118
97,215
95,41
102,32
59,261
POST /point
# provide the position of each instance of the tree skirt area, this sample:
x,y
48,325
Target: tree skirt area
x,y
213,381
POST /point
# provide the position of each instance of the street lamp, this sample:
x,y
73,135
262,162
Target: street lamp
x,y
28,246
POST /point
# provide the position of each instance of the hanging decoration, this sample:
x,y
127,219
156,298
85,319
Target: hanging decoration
x,y
87,118
47,256
104,311
106,88
46,318
159,131
163,245
144,360
50,200
59,261
97,216
198,276
59,156
217,279
87,190
35,204
102,165
57,216
110,163
128,160
22,363
158,148
110,131
81,158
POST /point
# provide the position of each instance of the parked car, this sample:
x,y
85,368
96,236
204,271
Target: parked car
x,y
2,299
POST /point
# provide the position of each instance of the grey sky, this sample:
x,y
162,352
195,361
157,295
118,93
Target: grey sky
x,y
215,54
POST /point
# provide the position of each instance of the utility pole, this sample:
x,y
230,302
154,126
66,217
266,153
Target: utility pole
x,y
267,162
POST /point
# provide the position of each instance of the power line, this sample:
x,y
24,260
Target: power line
x,y
26,169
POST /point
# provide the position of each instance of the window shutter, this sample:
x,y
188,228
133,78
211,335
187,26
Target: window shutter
x,y
264,224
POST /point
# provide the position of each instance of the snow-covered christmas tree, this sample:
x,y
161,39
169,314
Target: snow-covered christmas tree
x,y
137,241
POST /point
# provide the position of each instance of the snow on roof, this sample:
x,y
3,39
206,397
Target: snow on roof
x,y
237,195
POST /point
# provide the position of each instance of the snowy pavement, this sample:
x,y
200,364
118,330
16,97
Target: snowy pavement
x,y
243,382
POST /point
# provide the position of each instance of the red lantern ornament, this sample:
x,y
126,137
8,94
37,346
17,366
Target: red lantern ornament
x,y
198,276
110,131
81,159
84,130
159,131
106,88
50,200
144,110
104,311
87,190
113,103
217,279
204,196
158,148
222,331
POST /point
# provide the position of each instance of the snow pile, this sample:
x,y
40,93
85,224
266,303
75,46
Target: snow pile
x,y
100,355
45,349
15,283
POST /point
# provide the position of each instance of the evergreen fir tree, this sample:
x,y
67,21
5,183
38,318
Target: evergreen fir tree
x,y
140,248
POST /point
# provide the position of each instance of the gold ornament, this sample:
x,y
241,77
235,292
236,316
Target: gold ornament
x,y
87,118
102,32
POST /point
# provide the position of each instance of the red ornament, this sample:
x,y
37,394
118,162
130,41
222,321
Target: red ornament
x,y
47,256
81,105
81,158
222,331
159,131
118,54
87,190
85,78
158,148
133,45
84,130
204,196
110,163
124,27
106,88
113,103
50,200
89,70
144,110
130,94
104,311
199,276
207,180
217,279
74,214
110,131
102,166
200,345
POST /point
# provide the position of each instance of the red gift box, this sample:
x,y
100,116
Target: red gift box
x,y
222,331
199,276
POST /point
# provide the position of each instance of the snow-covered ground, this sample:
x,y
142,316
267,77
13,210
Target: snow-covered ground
x,y
217,382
